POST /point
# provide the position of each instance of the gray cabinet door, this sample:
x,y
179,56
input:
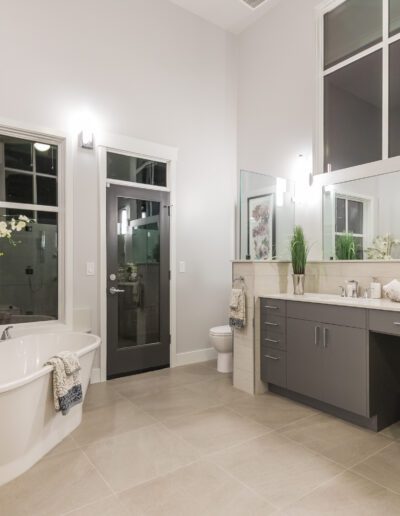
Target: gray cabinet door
x,y
345,368
304,361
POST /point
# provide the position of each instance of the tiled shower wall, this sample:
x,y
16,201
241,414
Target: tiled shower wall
x,y
264,278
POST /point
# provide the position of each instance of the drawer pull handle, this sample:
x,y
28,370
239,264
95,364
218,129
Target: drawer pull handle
x,y
272,358
271,307
272,324
272,340
396,323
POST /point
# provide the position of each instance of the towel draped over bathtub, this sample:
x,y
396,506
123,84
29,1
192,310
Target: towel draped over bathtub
x,y
67,387
237,305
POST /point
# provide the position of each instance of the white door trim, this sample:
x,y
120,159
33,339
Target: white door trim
x,y
135,147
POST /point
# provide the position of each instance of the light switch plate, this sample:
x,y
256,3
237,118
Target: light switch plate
x,y
90,269
182,266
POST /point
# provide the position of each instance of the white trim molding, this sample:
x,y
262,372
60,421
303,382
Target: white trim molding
x,y
139,148
195,357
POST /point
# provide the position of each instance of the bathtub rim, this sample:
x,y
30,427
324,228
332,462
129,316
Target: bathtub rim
x,y
15,384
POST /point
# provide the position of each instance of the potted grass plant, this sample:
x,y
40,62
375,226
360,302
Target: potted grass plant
x,y
346,248
299,252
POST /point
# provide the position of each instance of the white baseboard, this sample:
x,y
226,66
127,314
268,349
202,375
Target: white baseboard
x,y
193,357
96,375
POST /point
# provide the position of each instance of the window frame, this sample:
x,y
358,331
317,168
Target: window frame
x,y
64,271
386,164
364,202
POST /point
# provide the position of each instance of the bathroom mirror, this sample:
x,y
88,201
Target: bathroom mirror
x,y
361,219
266,216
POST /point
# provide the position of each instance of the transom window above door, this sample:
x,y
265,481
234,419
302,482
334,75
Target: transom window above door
x,y
360,82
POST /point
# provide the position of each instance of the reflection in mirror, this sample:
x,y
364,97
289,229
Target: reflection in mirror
x,y
266,216
362,219
28,254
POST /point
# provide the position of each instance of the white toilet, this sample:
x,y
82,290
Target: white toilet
x,y
221,340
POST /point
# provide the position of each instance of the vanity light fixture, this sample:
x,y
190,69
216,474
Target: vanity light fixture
x,y
86,139
41,147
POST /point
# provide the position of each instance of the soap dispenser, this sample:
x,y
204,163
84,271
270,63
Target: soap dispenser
x,y
375,289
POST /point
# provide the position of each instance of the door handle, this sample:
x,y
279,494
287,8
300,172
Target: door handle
x,y
271,357
114,291
325,337
316,335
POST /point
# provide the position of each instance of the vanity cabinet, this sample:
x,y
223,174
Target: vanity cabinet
x,y
318,357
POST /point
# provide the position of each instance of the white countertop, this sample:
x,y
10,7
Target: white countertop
x,y
331,299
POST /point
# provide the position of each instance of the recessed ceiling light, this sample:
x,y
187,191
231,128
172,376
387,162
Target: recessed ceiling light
x,y
41,147
253,3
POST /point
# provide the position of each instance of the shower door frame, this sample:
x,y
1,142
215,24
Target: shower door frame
x,y
143,149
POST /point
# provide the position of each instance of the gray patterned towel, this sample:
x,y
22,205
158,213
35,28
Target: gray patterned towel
x,y
67,387
237,316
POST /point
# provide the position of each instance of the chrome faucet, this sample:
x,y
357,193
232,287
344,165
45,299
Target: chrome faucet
x,y
6,333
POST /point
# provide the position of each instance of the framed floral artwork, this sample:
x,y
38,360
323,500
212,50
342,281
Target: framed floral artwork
x,y
261,227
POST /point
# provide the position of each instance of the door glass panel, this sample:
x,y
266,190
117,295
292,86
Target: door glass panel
x,y
350,28
137,170
138,230
353,114
394,17
394,99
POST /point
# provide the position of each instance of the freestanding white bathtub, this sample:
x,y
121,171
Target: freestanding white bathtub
x,y
29,425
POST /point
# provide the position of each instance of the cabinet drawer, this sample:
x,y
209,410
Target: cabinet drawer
x,y
273,340
273,366
276,306
384,322
272,323
329,314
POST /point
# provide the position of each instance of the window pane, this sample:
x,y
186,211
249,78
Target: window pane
x,y
29,273
19,187
359,248
394,99
353,114
394,19
353,26
18,154
46,160
340,215
138,170
355,214
46,191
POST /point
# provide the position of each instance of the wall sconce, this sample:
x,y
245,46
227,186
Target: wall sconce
x,y
303,179
86,139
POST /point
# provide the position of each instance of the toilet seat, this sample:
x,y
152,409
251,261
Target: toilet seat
x,y
221,331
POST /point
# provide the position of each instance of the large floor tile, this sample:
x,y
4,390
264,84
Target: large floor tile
x,y
342,442
196,490
383,467
67,444
215,429
134,457
219,388
278,469
347,495
176,402
392,432
271,410
110,420
99,395
108,507
54,486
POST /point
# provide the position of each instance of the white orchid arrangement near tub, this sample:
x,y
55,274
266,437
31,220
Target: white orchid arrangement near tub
x,y
8,228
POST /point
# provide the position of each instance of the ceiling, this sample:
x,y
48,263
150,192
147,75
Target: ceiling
x,y
231,15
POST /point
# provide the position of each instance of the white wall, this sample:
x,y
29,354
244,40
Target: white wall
x,y
150,70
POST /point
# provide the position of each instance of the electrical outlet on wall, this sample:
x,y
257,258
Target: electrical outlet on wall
x,y
90,269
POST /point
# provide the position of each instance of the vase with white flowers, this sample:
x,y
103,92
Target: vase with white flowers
x,y
8,229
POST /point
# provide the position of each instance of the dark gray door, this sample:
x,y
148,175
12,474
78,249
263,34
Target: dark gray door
x,y
138,336
345,368
304,359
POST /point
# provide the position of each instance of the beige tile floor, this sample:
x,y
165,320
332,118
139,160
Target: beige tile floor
x,y
185,442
